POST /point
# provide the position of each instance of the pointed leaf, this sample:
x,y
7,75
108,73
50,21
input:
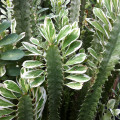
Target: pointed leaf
x,y
21,36
32,64
65,20
97,25
9,39
34,41
116,112
73,47
74,85
92,64
79,58
64,32
43,32
2,71
50,29
38,81
23,85
5,103
4,26
5,111
115,4
108,5
111,103
93,53
12,86
101,15
32,74
6,93
14,54
77,70
74,35
79,78
107,116
32,48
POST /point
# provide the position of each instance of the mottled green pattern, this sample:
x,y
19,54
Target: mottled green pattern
x,y
55,81
22,16
25,111
75,10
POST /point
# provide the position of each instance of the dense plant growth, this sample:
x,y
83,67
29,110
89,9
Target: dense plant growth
x,y
59,59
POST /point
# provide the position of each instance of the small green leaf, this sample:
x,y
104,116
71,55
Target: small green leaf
x,y
34,41
50,29
6,93
9,39
79,58
74,35
5,103
77,70
97,26
32,74
73,47
32,64
75,25
2,71
101,15
14,54
4,26
43,32
93,53
65,20
5,111
74,85
12,86
92,64
3,11
63,12
38,81
108,5
23,85
111,103
115,4
32,48
116,112
64,32
79,78
21,36
107,116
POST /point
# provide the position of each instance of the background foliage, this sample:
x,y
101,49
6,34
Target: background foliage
x,y
59,59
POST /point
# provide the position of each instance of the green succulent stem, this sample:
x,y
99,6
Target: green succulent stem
x,y
22,16
82,10
55,81
110,59
75,10
25,110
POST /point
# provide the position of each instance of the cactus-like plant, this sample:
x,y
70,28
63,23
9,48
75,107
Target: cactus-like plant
x,y
75,10
22,17
59,61
82,11
103,25
110,58
19,101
